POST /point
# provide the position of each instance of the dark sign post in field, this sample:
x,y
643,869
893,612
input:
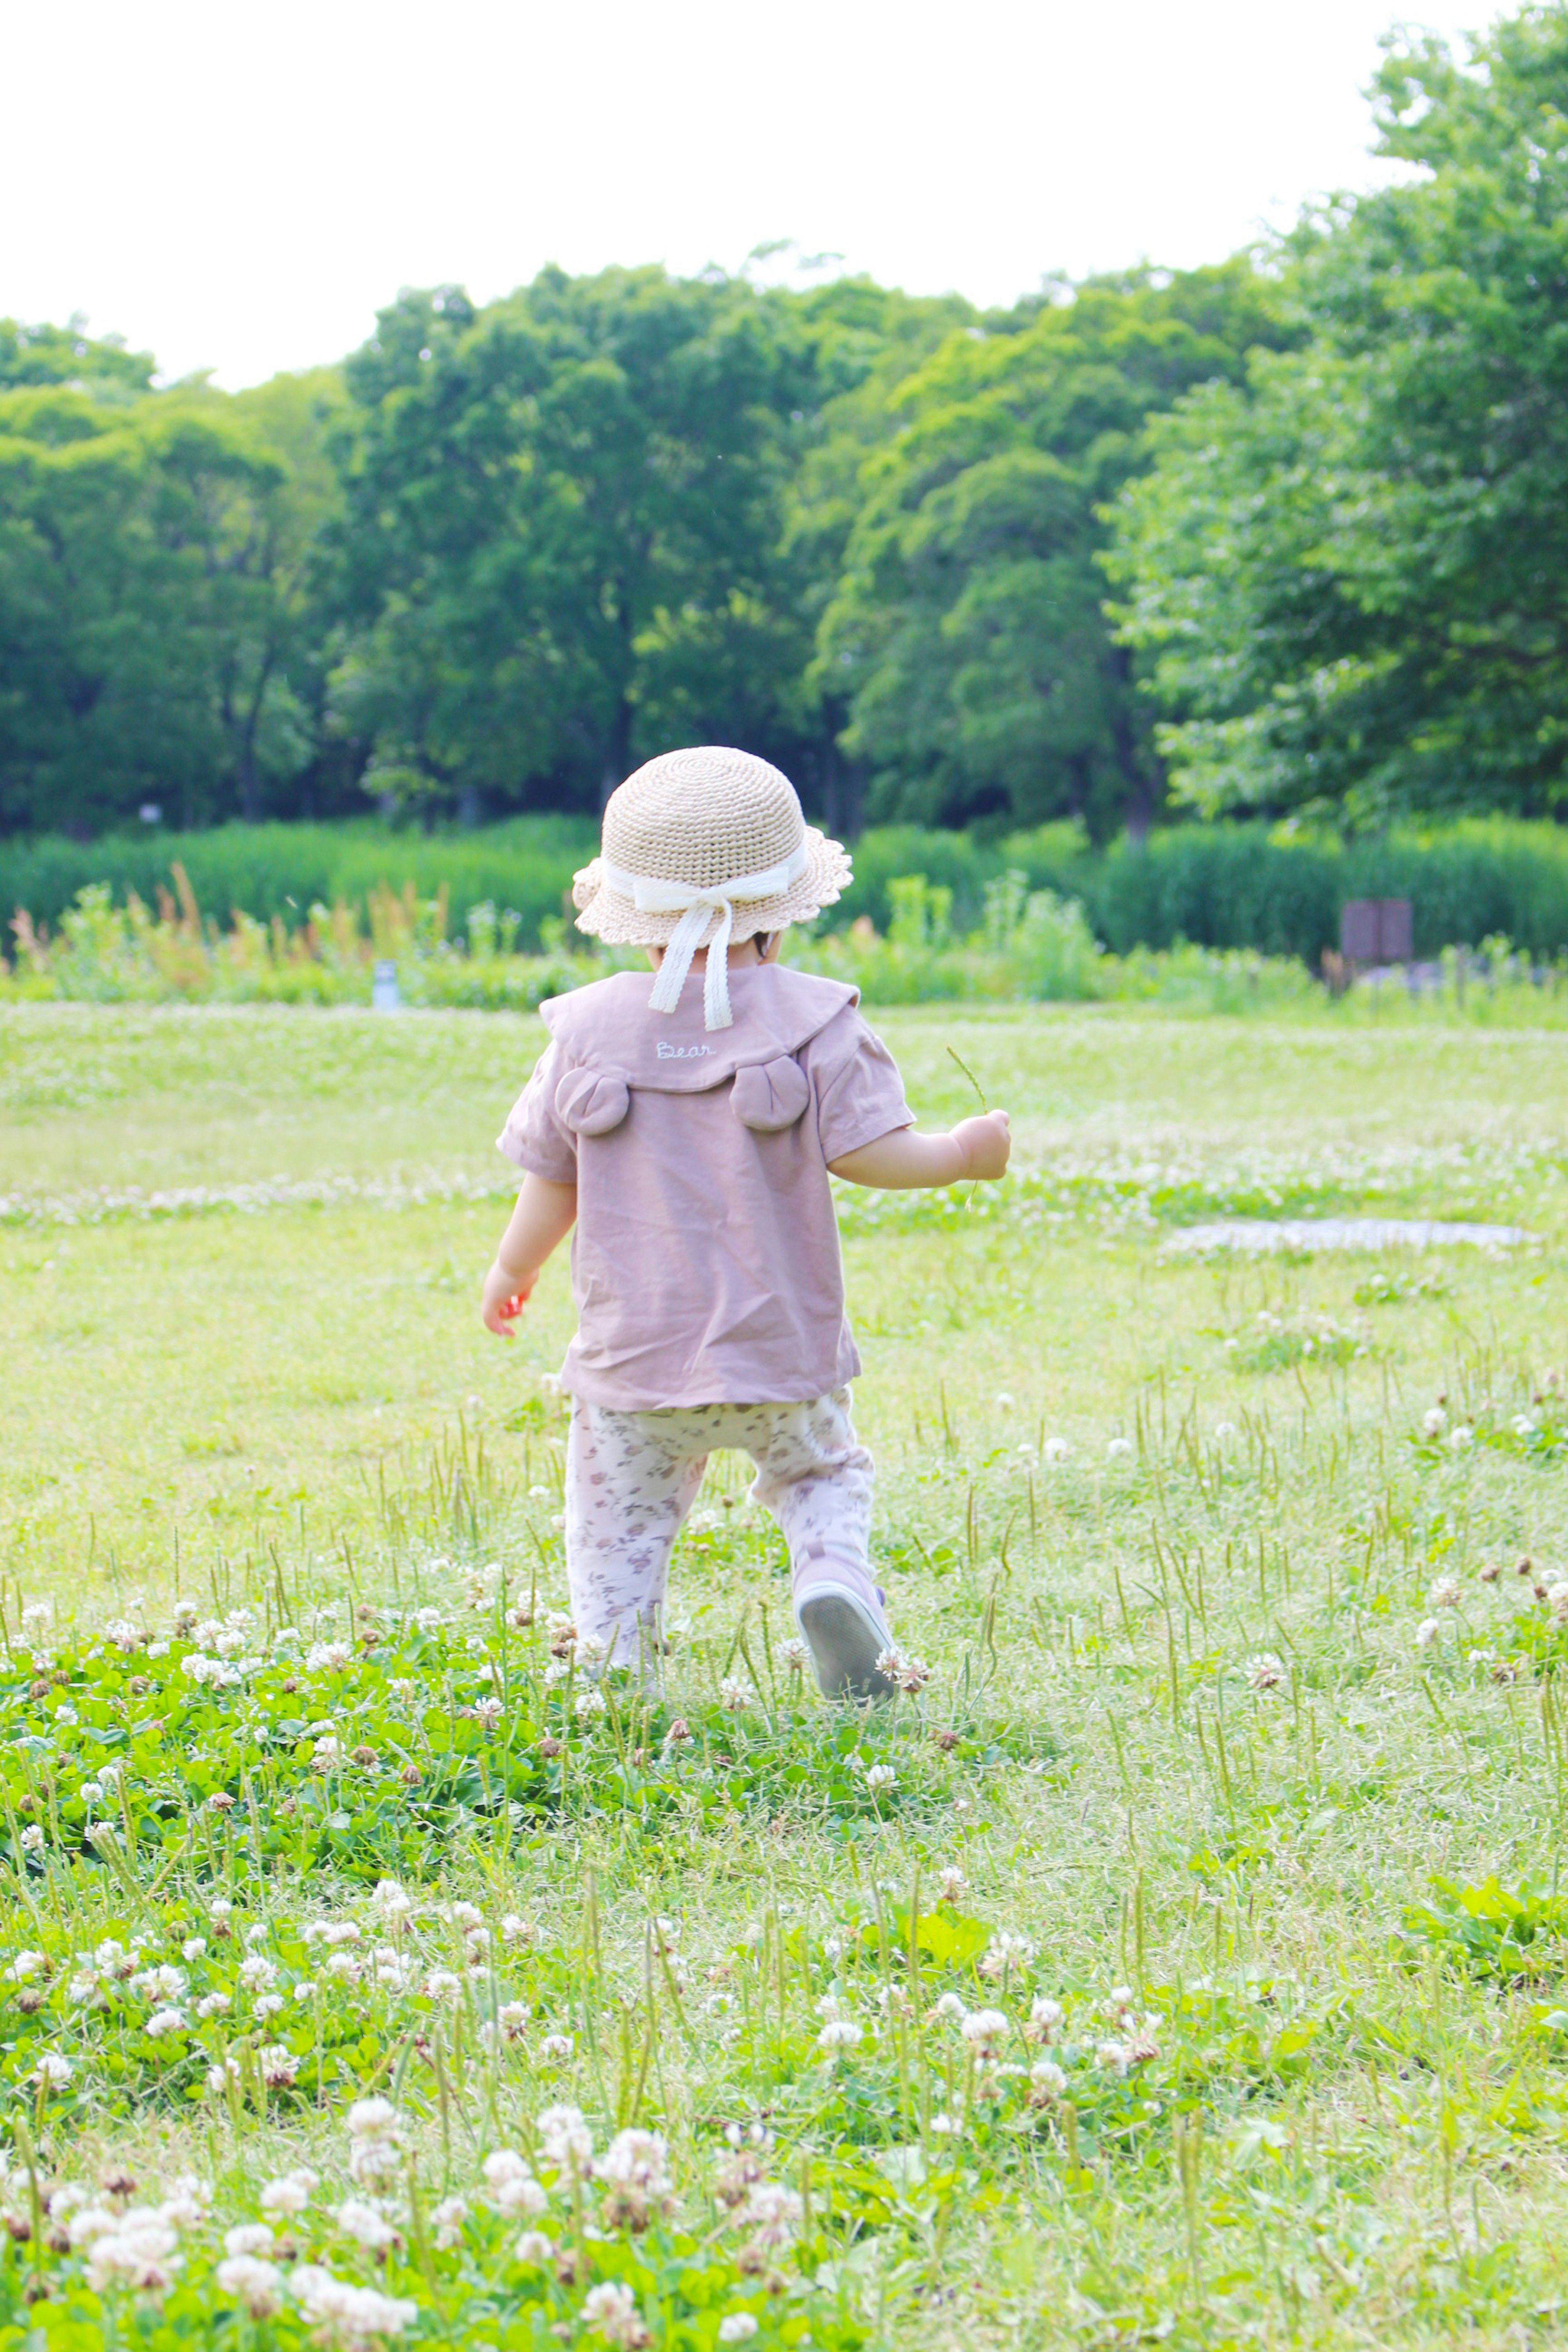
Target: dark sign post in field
x,y
1376,931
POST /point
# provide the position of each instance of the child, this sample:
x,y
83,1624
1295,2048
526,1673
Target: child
x,y
689,1136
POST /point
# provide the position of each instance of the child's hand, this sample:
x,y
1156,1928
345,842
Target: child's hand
x,y
985,1144
504,1298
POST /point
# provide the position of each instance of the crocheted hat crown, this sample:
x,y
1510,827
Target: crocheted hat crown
x,y
700,847
703,817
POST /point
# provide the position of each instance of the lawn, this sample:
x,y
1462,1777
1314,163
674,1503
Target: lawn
x,y
1184,1962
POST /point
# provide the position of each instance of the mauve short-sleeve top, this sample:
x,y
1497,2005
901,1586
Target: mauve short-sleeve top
x,y
705,1259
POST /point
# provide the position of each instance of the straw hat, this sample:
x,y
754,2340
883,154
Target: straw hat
x,y
701,847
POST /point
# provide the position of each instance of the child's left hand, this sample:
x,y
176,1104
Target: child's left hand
x,y
505,1295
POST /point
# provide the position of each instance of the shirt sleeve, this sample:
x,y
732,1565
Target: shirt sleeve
x,y
861,1095
539,1141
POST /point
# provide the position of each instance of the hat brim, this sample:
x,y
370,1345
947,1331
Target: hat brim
x,y
610,916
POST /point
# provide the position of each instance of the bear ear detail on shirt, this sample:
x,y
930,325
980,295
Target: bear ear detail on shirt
x,y
770,1096
590,1104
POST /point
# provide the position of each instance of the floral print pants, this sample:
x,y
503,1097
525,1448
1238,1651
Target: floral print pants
x,y
632,1478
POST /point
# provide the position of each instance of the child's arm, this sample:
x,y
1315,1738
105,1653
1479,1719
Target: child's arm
x,y
543,1217
903,1161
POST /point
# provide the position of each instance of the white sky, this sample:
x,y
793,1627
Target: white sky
x,y
238,185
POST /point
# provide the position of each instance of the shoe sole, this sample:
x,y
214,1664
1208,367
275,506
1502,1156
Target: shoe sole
x,y
845,1640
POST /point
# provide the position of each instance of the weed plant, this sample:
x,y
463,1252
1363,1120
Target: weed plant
x,y
1181,1959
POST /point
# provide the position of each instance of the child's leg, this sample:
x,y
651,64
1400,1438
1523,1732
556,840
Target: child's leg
x,y
631,1478
816,1477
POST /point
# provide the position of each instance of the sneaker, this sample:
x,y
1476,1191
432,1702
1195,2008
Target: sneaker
x,y
839,1613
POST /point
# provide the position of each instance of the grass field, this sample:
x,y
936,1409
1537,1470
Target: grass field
x,y
1182,1964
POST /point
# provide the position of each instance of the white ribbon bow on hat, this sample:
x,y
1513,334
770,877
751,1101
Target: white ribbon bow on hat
x,y
696,909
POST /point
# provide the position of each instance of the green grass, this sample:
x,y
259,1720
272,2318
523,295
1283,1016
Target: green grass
x,y
1207,1721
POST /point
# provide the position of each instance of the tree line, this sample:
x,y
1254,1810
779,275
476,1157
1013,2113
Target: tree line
x,y
1287,534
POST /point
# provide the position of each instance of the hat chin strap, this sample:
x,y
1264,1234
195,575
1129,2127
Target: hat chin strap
x,y
697,908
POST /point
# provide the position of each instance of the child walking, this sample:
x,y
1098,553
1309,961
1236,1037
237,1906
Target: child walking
x,y
689,1136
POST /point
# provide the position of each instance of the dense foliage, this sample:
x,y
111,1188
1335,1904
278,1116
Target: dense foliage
x,y
1353,571
501,554
1223,886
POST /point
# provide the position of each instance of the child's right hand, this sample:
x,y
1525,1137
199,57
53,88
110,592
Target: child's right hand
x,y
986,1143
504,1298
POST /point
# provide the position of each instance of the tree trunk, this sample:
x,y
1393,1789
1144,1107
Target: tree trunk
x,y
617,759
249,782
1139,770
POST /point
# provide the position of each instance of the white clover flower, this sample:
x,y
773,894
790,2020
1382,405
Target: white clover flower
x,y
373,2119
946,2124
1523,1426
140,2251
448,2217
290,2193
349,2318
513,2185
1118,1448
636,2161
588,1705
880,1777
32,1838
1434,1421
194,1947
795,1654
1114,2056
90,2222
222,2078
52,2072
1428,1633
159,1984
951,1883
737,2328
256,2283
327,1752
186,2206
488,1712
442,1985
164,2021
1459,1438
533,2248
1044,2019
984,2027
1055,1449
515,1928
900,1666
1006,1951
556,2048
1264,1672
250,2238
566,2139
1224,1430
391,1901
1443,1593
1047,2079
736,1693
950,2004
366,2224
611,2310
838,2033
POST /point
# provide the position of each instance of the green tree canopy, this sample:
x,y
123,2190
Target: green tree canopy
x,y
1351,574
966,633
152,568
563,543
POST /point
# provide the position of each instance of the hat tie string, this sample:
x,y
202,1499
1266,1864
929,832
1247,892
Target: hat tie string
x,y
651,895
